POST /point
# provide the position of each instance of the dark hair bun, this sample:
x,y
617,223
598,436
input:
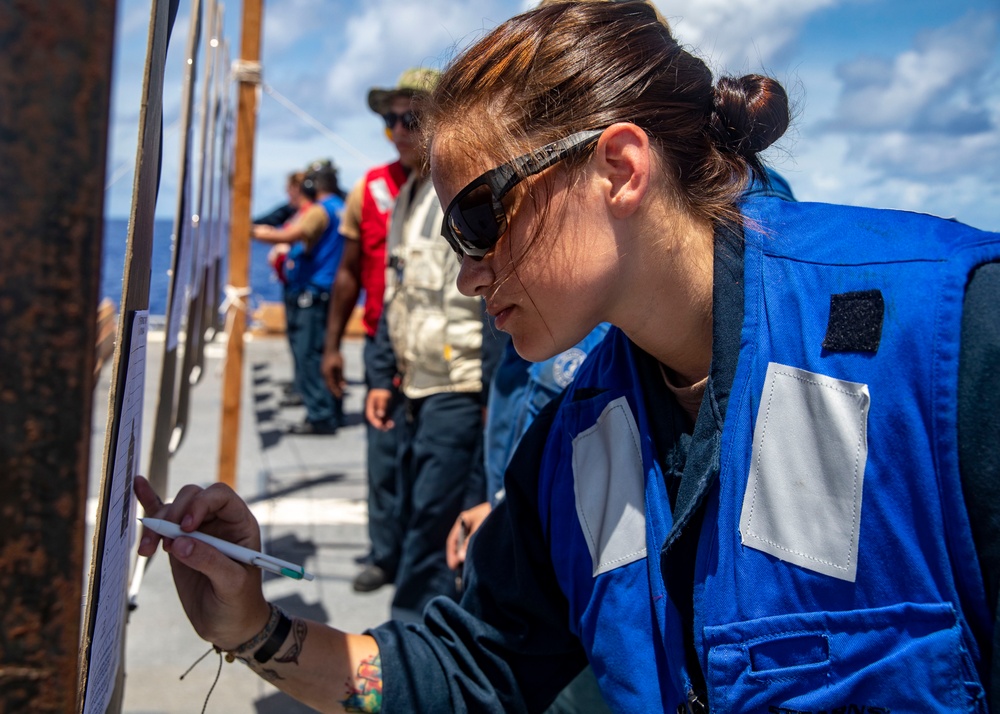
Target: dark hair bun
x,y
750,113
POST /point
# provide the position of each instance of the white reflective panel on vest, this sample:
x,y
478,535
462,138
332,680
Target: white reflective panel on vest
x,y
609,484
802,502
383,198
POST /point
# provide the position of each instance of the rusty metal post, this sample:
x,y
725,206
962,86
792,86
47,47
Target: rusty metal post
x,y
55,86
239,240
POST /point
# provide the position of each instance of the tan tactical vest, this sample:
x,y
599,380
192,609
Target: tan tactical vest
x,y
436,331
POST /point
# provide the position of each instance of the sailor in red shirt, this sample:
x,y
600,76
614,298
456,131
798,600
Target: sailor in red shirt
x,y
364,225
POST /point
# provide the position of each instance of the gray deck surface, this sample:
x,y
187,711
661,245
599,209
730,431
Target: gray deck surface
x,y
308,493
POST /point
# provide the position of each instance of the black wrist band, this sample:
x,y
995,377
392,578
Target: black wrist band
x,y
274,642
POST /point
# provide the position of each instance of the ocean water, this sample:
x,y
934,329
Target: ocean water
x,y
264,284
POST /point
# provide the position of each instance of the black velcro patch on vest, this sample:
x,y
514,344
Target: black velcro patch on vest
x,y
855,322
585,393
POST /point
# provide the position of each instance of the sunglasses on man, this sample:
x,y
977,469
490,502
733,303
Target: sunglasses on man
x,y
475,219
409,119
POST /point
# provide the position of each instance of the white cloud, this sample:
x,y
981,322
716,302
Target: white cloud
x,y
903,129
837,168
931,157
389,36
287,22
734,35
932,87
922,121
739,35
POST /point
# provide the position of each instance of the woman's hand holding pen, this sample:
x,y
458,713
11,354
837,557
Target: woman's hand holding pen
x,y
222,598
224,602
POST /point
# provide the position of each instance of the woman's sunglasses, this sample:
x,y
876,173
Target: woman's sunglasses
x,y
409,119
475,218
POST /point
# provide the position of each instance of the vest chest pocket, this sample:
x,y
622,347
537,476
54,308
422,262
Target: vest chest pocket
x,y
802,502
426,343
426,265
902,658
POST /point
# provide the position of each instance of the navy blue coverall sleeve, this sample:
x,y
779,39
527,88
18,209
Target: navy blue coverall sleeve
x,y
382,368
506,648
978,436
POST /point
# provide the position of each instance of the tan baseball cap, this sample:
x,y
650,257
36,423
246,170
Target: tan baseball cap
x,y
416,80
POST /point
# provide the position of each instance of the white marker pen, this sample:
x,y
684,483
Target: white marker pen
x,y
168,529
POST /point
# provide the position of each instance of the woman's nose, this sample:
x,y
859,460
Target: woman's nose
x,y
475,276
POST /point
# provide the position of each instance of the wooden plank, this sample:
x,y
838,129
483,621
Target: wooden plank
x,y
239,240
194,344
180,271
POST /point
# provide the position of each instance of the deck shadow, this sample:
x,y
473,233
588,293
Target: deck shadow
x,y
266,415
295,606
290,548
281,703
291,488
269,438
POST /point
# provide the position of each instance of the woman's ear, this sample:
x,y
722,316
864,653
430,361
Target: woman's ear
x,y
624,165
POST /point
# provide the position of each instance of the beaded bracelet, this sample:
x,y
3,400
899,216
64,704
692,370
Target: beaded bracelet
x,y
267,641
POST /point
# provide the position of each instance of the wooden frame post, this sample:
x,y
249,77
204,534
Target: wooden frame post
x,y
248,74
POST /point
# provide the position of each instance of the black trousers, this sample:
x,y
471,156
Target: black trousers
x,y
385,529
441,465
306,326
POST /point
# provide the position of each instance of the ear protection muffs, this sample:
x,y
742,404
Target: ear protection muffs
x,y
308,187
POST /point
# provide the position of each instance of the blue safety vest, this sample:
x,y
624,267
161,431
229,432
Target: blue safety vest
x,y
315,269
835,569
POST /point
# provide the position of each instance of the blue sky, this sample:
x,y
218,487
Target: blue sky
x,y
897,104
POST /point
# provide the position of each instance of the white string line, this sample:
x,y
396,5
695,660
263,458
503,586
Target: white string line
x,y
127,166
316,124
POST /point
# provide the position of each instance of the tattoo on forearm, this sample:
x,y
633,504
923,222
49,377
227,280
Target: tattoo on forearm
x,y
299,632
269,674
365,695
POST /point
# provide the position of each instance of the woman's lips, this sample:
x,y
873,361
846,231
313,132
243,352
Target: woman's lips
x,y
501,317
